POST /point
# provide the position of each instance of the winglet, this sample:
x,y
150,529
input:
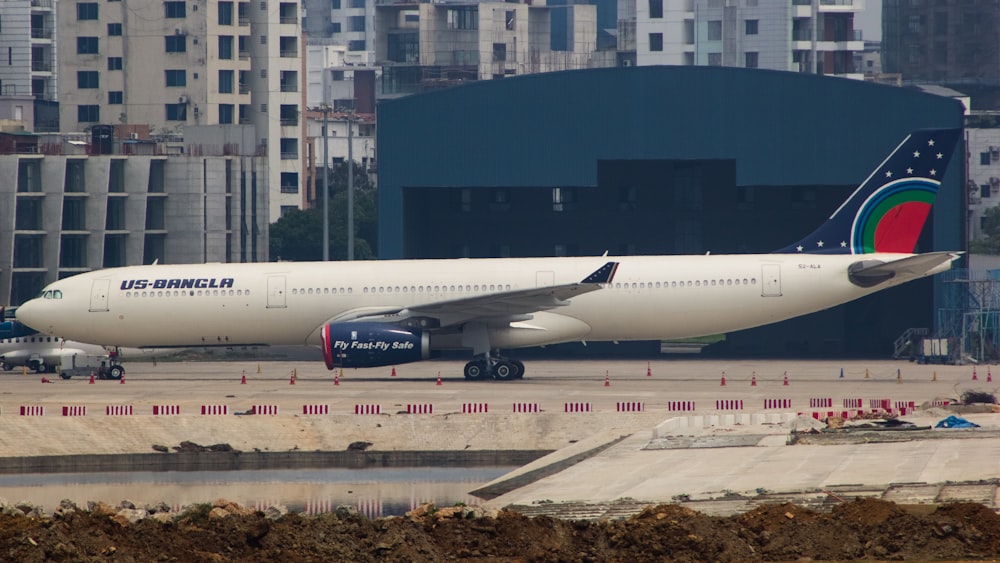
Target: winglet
x,y
604,274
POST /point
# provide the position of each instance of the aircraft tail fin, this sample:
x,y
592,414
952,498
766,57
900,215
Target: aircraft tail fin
x,y
888,210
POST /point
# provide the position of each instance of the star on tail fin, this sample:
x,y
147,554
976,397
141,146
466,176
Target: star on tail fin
x,y
888,210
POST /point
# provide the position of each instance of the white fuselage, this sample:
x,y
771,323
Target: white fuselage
x,y
651,297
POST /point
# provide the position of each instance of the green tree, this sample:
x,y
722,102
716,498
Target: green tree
x,y
298,235
990,244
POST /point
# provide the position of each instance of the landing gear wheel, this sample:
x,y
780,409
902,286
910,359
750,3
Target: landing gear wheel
x,y
475,369
117,372
518,369
504,370
65,375
5,367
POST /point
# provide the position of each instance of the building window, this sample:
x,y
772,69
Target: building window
x,y
656,8
356,23
334,4
116,97
225,13
176,112
226,114
750,27
356,3
715,59
86,11
114,63
984,191
655,41
751,59
175,9
499,52
226,81
86,46
289,149
88,114
356,45
176,77
335,27
176,43
87,79
114,29
715,30
984,158
464,17
226,47
289,114
289,182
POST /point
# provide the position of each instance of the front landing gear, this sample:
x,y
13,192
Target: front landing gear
x,y
494,368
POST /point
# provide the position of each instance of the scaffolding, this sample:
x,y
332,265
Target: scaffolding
x,y
970,315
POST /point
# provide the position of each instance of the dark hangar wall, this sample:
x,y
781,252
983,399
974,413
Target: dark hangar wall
x,y
470,171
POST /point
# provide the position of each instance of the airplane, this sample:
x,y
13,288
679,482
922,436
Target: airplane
x,y
381,313
47,354
23,346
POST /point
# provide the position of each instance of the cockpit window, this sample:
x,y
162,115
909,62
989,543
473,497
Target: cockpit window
x,y
57,294
51,294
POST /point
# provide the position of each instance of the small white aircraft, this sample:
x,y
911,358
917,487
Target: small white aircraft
x,y
49,354
379,313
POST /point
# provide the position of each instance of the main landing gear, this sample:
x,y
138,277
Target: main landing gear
x,y
494,367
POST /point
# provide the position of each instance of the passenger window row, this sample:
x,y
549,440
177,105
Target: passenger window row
x,y
189,292
686,283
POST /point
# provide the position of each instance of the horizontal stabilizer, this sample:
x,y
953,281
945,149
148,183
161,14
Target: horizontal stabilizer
x,y
869,273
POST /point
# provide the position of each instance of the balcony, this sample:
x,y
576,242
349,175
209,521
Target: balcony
x,y
289,53
41,33
288,19
41,66
289,156
244,89
244,21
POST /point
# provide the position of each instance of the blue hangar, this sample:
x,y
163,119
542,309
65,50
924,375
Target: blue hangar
x,y
660,160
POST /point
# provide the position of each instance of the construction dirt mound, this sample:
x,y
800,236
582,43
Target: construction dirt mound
x,y
860,529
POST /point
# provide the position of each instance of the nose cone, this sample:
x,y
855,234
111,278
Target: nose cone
x,y
29,314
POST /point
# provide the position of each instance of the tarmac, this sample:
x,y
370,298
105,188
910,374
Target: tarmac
x,y
665,430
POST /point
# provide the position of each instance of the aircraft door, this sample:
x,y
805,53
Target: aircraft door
x,y
275,292
99,295
770,276
545,279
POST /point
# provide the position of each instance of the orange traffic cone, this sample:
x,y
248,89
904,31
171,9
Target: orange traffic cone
x,y
291,379
439,379
393,374
649,370
122,380
723,383
91,377
336,378
974,376
243,380
753,380
607,379
989,375
786,379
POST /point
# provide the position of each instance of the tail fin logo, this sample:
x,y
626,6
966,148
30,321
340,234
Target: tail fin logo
x,y
888,211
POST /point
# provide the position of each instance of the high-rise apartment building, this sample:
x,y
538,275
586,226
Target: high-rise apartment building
x,y
950,42
28,45
177,63
813,36
430,45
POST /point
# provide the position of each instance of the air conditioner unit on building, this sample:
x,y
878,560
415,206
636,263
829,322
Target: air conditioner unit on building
x,y
994,153
133,135
183,99
179,31
994,181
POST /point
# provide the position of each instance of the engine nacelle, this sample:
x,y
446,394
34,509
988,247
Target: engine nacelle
x,y
367,345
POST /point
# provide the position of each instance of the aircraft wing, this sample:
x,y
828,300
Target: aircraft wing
x,y
504,305
869,273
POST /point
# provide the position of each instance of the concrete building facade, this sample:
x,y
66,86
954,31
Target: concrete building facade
x,y
983,145
177,64
66,211
800,36
28,39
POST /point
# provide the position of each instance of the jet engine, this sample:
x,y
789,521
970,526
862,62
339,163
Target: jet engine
x,y
366,345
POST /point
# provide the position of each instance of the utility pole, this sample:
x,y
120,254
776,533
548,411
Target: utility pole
x,y
326,159
350,185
